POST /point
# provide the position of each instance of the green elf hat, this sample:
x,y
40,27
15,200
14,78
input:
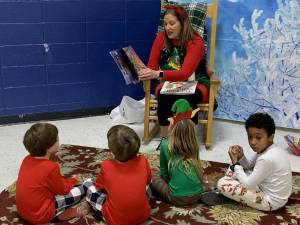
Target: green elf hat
x,y
181,106
182,110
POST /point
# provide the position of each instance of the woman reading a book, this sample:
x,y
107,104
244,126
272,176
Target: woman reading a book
x,y
177,54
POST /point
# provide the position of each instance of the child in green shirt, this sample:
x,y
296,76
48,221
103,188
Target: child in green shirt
x,y
179,178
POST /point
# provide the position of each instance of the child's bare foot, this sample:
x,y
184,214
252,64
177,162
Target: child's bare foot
x,y
78,210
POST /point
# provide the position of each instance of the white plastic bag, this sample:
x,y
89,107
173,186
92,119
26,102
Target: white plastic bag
x,y
129,111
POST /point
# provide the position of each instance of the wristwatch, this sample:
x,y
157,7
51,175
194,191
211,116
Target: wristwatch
x,y
161,74
233,165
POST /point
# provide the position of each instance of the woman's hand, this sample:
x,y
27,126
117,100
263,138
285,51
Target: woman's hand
x,y
236,153
148,74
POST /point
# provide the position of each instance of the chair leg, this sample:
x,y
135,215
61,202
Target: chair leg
x,y
146,129
154,131
204,132
150,134
147,111
208,140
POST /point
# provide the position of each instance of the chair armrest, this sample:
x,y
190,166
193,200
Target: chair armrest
x,y
214,80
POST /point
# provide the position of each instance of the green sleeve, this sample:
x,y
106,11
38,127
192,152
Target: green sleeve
x,y
163,160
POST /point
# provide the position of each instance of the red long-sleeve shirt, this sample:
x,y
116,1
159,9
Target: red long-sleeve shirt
x,y
195,52
39,180
125,183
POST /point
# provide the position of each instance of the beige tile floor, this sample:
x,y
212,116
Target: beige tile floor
x,y
91,131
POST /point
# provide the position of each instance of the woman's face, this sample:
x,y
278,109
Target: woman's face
x,y
172,26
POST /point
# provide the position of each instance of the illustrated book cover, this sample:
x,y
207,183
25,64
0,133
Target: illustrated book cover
x,y
293,143
128,62
179,87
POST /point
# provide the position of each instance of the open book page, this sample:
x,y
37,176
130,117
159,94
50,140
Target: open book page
x,y
134,58
128,62
293,141
179,87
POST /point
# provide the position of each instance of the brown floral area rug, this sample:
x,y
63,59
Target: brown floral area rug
x,y
84,162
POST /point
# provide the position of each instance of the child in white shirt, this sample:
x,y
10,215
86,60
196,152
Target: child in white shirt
x,y
269,184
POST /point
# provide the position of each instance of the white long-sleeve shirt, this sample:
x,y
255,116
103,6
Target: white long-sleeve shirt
x,y
271,173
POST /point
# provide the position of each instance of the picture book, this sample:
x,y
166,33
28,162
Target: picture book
x,y
179,87
293,143
128,62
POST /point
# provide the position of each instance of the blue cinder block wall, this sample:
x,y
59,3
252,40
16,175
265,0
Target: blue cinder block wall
x,y
54,54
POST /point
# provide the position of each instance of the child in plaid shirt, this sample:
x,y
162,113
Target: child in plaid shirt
x,y
42,193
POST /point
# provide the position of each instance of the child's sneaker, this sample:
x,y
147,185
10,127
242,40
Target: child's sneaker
x,y
214,197
78,210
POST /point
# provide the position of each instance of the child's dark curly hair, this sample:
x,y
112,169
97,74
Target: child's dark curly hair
x,y
261,121
123,142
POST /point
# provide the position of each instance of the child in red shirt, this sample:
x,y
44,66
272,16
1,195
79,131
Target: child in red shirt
x,y
120,191
42,193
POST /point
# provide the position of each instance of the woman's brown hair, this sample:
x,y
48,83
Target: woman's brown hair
x,y
39,138
123,142
187,31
